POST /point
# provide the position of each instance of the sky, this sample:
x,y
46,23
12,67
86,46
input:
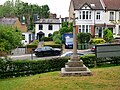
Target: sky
x,y
60,7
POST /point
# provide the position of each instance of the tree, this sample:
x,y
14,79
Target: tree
x,y
108,35
83,37
9,38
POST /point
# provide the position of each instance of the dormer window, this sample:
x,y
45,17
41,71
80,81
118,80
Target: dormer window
x,y
92,5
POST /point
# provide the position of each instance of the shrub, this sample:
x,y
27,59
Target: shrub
x,y
83,37
35,42
47,39
52,44
10,68
97,41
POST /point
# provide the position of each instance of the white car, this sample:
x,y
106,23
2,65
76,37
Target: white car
x,y
68,54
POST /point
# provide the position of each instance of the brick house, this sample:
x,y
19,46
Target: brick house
x,y
14,22
95,15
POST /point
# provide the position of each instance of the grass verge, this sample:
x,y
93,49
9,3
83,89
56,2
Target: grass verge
x,y
107,78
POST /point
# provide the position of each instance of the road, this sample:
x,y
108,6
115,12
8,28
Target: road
x,y
33,57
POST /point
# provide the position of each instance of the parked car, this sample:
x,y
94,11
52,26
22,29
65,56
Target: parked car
x,y
93,49
47,51
70,53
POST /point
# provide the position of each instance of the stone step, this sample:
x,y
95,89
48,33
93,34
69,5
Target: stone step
x,y
75,73
75,63
83,68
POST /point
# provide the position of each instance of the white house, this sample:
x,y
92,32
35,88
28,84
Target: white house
x,y
27,38
46,27
95,15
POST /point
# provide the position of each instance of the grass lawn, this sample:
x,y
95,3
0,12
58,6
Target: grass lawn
x,y
107,78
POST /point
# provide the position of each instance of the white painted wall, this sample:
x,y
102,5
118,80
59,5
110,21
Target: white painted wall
x,y
45,30
26,40
105,16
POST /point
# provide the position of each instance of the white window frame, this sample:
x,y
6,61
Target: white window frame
x,y
40,26
80,29
98,15
111,15
119,15
80,15
119,29
84,28
85,15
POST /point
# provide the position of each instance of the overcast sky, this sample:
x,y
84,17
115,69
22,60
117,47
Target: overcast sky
x,y
60,7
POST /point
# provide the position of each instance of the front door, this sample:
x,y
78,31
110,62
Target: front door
x,y
100,32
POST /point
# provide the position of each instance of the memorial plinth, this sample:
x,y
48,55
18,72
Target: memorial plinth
x,y
75,66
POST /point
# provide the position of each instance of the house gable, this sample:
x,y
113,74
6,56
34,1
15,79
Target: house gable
x,y
85,6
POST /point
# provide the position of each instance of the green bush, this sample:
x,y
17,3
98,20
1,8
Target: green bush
x,y
31,46
47,39
35,42
97,41
28,67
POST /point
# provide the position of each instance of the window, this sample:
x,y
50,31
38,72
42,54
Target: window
x,y
90,15
86,14
84,29
23,37
80,14
111,15
40,27
49,35
50,27
80,28
98,15
83,14
119,30
119,15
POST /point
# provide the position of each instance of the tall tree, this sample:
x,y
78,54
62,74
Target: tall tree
x,y
9,38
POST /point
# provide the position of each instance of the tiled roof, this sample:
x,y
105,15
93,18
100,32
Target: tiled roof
x,y
112,4
48,21
79,3
8,21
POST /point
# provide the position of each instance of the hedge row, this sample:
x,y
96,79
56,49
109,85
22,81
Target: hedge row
x,y
91,61
24,68
10,68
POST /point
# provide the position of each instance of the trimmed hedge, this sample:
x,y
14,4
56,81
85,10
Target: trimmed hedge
x,y
19,68
25,68
90,60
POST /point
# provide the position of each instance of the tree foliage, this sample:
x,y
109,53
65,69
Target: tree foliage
x,y
83,37
108,35
21,9
9,38
66,27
